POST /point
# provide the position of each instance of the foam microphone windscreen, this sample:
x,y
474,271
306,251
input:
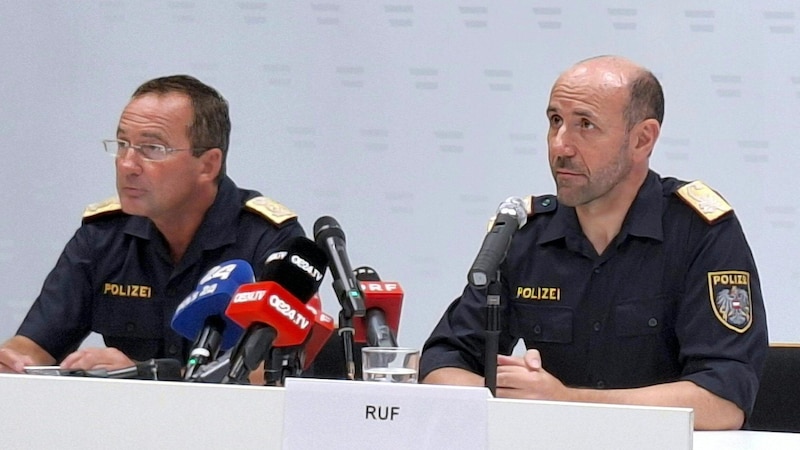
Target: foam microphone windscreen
x,y
210,300
298,266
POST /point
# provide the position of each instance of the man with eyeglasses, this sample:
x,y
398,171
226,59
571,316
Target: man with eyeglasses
x,y
137,256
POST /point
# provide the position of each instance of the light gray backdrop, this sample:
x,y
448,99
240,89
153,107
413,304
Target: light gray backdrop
x,y
408,121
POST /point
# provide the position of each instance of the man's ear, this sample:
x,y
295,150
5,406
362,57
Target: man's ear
x,y
644,136
211,161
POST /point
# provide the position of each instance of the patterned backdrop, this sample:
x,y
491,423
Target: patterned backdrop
x,y
408,121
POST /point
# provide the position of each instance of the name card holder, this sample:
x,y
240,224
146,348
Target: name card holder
x,y
343,414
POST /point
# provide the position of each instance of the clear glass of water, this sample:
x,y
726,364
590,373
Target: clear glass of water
x,y
390,364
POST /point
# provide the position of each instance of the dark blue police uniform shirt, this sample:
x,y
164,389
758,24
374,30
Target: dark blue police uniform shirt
x,y
673,297
115,276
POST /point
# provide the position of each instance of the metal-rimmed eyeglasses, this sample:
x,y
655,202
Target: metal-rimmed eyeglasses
x,y
149,152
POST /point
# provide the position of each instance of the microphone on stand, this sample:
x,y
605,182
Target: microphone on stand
x,y
329,236
510,217
273,311
383,302
214,371
321,332
201,316
161,369
483,274
294,361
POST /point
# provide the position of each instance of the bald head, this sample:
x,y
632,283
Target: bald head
x,y
614,74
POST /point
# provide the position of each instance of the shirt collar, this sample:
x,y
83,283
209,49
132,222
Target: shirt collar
x,y
643,218
219,224
218,227
564,222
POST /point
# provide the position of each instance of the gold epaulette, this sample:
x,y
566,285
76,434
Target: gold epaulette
x,y
109,205
710,205
270,209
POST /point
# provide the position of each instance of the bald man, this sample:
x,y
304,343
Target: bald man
x,y
626,287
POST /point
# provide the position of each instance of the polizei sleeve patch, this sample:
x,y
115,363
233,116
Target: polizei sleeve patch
x,y
270,209
710,205
730,298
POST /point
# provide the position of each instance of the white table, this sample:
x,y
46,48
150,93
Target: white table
x,y
65,412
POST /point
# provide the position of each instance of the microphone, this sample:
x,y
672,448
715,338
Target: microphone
x,y
201,316
510,216
321,331
383,302
215,371
292,361
162,369
329,236
273,311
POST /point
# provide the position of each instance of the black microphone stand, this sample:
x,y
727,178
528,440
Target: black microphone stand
x,y
281,364
352,303
346,332
492,332
251,350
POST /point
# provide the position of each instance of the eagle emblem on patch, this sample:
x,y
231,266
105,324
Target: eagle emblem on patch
x,y
730,298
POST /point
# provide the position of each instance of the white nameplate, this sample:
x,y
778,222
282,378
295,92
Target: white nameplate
x,y
339,414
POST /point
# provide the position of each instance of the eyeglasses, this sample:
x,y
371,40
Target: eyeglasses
x,y
149,152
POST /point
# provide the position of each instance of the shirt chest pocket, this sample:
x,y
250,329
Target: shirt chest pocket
x,y
640,318
127,317
536,323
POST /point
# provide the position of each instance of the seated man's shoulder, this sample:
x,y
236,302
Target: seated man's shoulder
x,y
274,212
535,207
540,204
702,199
107,208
